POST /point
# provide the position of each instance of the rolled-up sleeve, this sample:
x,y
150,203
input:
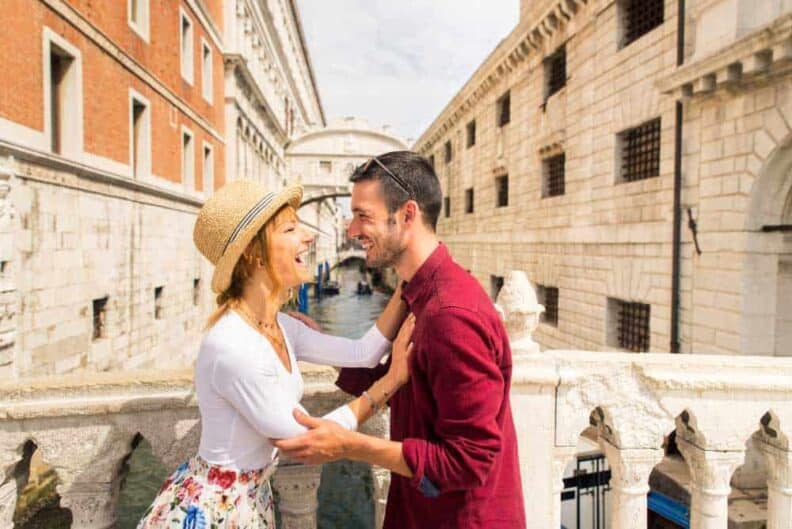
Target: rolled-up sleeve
x,y
468,386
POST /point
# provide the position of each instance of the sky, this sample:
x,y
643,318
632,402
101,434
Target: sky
x,y
399,63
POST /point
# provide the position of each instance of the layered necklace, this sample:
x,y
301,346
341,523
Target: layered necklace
x,y
270,330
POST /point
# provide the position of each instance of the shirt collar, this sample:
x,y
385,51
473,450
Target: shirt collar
x,y
421,281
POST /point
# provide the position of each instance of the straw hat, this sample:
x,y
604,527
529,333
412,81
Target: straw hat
x,y
230,219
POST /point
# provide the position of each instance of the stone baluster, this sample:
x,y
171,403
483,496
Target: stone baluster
x,y
630,469
562,456
520,311
779,485
297,486
711,472
379,426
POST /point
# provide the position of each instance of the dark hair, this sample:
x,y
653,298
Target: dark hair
x,y
416,173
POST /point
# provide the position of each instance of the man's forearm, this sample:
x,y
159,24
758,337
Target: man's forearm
x,y
376,451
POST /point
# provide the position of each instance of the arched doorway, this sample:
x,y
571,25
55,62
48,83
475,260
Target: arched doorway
x,y
767,267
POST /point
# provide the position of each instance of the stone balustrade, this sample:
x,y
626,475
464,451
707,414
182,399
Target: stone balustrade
x,y
729,415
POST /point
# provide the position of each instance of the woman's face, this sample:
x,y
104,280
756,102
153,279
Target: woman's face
x,y
289,243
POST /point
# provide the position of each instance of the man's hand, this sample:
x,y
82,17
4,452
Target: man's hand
x,y
326,441
310,322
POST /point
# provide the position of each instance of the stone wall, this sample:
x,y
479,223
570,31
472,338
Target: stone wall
x,y
607,239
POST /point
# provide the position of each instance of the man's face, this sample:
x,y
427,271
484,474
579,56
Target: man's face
x,y
379,233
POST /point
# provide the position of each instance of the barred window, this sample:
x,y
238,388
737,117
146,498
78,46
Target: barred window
x,y
640,151
158,309
629,325
432,161
447,150
471,133
639,17
553,170
496,284
548,296
502,191
447,206
196,291
555,72
504,109
99,318
469,200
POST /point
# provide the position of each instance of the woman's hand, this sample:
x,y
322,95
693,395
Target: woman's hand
x,y
402,346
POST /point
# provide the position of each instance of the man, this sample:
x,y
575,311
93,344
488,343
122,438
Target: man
x,y
453,448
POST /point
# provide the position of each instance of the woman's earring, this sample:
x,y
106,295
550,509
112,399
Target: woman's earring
x,y
259,262
291,294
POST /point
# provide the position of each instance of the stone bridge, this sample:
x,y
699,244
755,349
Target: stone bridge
x,y
731,417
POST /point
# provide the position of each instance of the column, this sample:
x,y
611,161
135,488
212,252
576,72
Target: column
x,y
8,499
297,486
630,470
711,473
379,426
562,455
779,485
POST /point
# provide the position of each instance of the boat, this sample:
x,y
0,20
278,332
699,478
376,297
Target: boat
x,y
331,288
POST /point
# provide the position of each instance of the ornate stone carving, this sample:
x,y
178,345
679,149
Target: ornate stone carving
x,y
779,483
520,311
711,472
630,469
297,486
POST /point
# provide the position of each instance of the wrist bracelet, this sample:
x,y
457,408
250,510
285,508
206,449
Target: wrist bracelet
x,y
371,401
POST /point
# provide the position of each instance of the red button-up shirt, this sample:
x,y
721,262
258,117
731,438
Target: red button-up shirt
x,y
453,417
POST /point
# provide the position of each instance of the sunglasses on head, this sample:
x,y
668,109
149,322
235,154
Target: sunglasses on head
x,y
399,181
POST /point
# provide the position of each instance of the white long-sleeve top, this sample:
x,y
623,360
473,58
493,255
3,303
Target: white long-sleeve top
x,y
245,394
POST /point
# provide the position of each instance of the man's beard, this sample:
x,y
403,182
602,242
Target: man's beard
x,y
388,255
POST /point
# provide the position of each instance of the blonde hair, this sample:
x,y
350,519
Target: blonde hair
x,y
257,251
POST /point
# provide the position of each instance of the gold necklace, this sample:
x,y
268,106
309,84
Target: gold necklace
x,y
269,330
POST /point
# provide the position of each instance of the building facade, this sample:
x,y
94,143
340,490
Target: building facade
x,y
271,94
322,160
597,135
114,129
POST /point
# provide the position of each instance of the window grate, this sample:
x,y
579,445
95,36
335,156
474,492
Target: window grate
x,y
447,206
555,71
196,291
633,326
469,200
432,161
640,17
554,176
641,151
99,317
158,309
448,155
504,109
471,133
548,296
502,191
496,284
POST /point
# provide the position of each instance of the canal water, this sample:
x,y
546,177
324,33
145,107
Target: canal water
x,y
345,494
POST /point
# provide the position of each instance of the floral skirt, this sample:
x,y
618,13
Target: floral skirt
x,y
199,495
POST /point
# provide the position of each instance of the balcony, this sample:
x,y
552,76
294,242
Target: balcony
x,y
730,417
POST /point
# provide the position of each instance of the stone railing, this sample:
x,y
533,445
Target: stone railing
x,y
85,428
725,413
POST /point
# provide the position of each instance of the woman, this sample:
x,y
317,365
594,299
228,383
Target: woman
x,y
246,374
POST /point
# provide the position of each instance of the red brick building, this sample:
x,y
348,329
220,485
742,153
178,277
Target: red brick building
x,y
111,136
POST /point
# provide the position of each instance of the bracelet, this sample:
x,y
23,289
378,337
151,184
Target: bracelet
x,y
372,403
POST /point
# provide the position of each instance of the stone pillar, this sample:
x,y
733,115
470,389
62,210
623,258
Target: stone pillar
x,y
711,473
779,485
8,499
297,486
94,505
562,455
379,426
630,469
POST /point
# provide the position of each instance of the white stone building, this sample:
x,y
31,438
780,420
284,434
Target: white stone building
x,y
596,135
322,160
271,94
